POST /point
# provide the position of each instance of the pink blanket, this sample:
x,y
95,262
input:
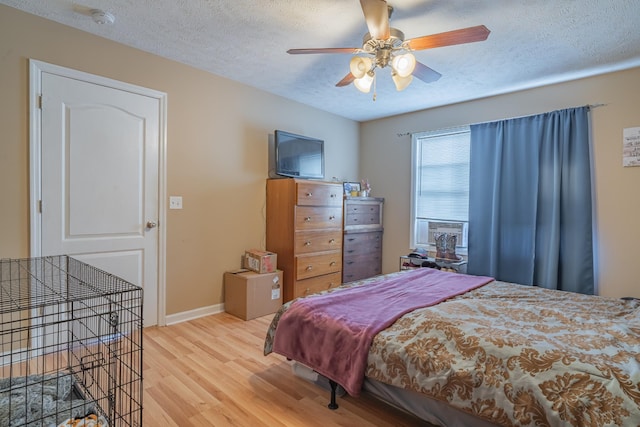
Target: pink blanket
x,y
332,333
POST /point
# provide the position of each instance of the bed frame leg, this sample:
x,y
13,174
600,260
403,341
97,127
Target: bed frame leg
x,y
333,405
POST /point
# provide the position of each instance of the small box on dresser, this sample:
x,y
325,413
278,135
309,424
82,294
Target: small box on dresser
x,y
260,261
362,241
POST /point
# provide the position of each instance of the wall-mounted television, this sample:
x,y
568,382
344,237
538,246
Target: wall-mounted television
x,y
298,156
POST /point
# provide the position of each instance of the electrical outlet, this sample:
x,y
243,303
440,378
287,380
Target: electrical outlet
x,y
175,202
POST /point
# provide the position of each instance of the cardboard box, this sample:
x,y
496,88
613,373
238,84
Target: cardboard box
x,y
248,294
260,261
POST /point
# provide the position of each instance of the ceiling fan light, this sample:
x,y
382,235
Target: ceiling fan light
x,y
359,66
363,84
404,64
401,82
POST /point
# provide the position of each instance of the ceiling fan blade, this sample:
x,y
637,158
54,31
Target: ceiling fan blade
x,y
425,73
351,50
376,14
464,35
347,80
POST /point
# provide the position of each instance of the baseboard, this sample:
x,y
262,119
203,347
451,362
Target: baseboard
x,y
172,319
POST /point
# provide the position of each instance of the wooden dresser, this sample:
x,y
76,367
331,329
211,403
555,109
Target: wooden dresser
x,y
304,227
362,247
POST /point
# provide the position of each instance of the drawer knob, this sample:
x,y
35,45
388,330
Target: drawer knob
x,y
333,195
309,194
306,291
309,267
332,241
307,219
333,263
307,243
332,217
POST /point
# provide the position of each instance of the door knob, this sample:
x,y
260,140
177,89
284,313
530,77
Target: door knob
x,y
152,224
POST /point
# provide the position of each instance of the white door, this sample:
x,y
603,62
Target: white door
x,y
100,178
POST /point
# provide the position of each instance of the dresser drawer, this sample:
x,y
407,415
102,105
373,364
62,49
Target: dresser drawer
x,y
362,218
305,287
313,218
358,271
370,258
372,209
363,214
318,194
362,242
317,241
318,264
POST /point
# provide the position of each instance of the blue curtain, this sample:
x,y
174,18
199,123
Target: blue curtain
x,y
530,214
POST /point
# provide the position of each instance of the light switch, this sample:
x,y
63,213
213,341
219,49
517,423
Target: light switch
x,y
175,202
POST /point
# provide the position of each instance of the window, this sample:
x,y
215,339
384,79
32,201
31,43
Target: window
x,y
440,186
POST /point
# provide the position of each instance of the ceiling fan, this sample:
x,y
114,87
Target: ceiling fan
x,y
384,45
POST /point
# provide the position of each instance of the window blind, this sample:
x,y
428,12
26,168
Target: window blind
x,y
441,179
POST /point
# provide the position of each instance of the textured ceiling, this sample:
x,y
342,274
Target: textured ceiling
x,y
532,43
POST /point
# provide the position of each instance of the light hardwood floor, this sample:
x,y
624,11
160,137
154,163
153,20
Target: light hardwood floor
x,y
212,372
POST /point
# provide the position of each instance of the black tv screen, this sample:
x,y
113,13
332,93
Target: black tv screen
x,y
299,156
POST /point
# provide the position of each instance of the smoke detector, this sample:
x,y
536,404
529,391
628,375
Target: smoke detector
x,y
101,17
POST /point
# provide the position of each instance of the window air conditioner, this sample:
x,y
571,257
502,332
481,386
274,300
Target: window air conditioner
x,y
457,228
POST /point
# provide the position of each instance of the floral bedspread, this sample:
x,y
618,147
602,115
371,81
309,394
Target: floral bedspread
x,y
517,356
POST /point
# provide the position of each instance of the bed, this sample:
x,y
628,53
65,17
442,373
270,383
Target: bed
x,y
495,354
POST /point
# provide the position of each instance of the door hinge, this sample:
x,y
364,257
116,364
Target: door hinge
x,y
40,206
40,102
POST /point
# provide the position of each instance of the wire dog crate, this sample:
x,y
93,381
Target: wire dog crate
x,y
70,345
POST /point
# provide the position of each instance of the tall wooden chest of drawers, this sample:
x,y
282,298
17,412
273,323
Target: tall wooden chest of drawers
x,y
362,245
304,227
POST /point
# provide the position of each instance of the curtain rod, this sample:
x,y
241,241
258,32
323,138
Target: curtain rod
x,y
454,128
